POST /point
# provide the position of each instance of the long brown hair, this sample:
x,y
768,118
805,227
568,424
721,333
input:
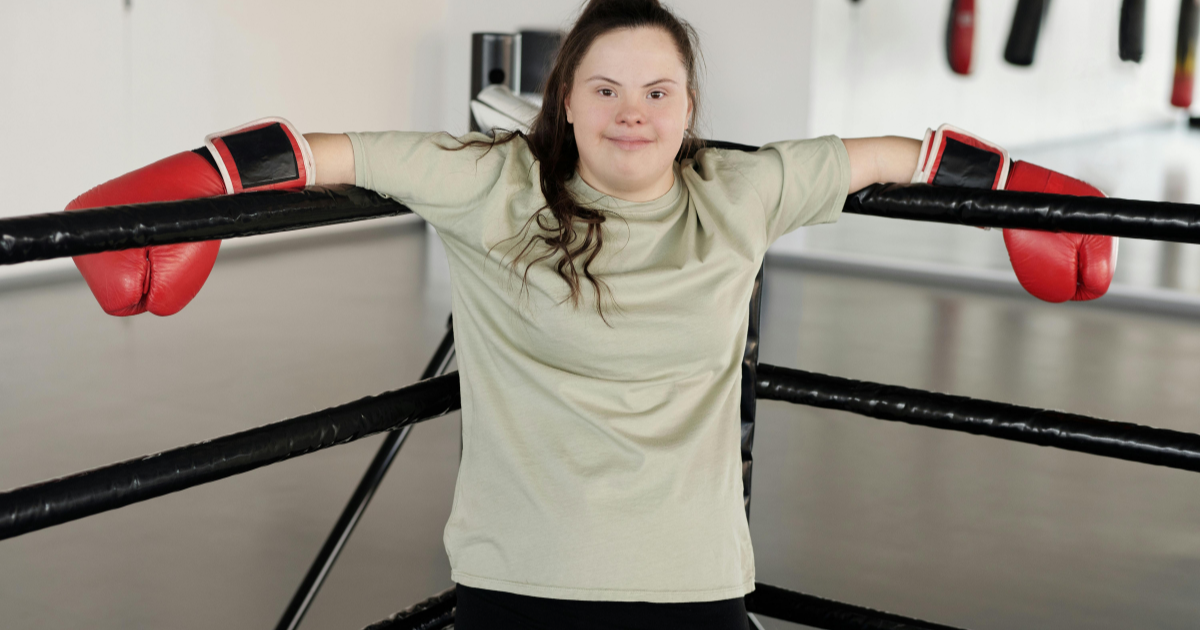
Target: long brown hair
x,y
552,141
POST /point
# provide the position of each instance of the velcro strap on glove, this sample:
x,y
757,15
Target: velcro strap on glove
x,y
267,154
953,157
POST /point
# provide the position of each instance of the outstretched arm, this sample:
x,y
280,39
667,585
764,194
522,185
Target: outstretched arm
x,y
334,158
872,160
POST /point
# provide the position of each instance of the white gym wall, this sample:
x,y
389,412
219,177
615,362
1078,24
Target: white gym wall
x,y
880,68
94,88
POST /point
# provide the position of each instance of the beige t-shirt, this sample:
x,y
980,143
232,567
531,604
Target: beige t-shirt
x,y
601,462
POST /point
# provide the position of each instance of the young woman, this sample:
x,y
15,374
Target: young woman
x,y
600,294
600,301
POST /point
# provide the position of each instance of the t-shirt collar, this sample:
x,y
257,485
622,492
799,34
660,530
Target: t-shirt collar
x,y
589,197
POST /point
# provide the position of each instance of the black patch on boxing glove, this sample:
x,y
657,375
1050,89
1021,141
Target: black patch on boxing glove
x,y
207,155
263,156
966,166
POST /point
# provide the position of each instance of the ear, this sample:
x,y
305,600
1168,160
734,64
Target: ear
x,y
567,107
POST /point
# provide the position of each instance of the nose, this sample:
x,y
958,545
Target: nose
x,y
631,112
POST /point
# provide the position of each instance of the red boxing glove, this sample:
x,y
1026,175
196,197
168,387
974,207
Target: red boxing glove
x,y
1059,266
159,279
265,154
1052,266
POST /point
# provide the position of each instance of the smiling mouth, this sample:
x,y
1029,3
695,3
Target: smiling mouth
x,y
630,144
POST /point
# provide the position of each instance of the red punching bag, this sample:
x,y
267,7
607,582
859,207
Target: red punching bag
x,y
1185,54
960,35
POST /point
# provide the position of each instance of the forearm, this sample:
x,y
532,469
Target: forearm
x,y
880,160
334,158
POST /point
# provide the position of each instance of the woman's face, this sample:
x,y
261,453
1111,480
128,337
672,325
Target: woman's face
x,y
630,106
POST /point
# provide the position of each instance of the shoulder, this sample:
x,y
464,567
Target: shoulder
x,y
727,154
725,169
722,183
770,164
474,144
434,172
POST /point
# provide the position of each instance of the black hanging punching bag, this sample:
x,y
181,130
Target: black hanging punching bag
x,y
1022,39
1133,30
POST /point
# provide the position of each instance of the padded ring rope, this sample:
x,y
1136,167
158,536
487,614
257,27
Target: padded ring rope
x,y
57,501
1154,220
60,234
432,614
1068,431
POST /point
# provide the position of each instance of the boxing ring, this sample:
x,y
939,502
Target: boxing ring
x,y
57,501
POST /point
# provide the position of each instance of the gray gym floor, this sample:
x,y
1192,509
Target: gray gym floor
x,y
957,529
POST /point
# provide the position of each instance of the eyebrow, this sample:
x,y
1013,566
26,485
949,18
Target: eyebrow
x,y
618,84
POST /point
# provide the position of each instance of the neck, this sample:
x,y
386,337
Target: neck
x,y
635,194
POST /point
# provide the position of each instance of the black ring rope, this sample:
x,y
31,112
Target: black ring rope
x,y
57,501
430,614
59,234
771,601
1068,431
1154,220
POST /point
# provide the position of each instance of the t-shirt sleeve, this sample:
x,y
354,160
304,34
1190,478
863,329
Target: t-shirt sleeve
x,y
429,173
801,182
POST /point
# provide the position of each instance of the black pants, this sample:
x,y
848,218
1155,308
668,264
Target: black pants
x,y
480,609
